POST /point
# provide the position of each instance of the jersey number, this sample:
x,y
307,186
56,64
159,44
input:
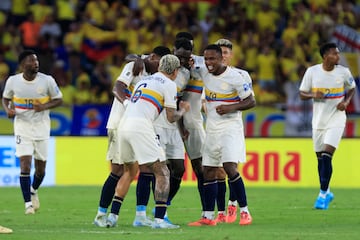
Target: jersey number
x,y
29,103
137,93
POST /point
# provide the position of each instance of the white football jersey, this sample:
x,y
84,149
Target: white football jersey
x,y
117,109
181,81
23,93
227,88
334,85
150,96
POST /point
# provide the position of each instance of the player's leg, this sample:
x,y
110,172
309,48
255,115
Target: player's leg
x,y
122,188
210,163
220,198
193,145
177,170
232,152
145,181
108,189
24,151
210,194
40,156
107,193
39,175
25,182
325,144
161,194
197,168
232,206
175,154
238,186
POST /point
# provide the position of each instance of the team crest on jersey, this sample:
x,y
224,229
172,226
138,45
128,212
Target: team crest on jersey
x,y
224,86
40,90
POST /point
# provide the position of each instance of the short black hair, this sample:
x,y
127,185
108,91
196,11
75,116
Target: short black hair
x,y
326,47
215,47
183,43
161,51
186,35
24,54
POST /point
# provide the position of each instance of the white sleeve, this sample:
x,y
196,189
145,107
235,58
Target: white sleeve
x,y
126,75
170,95
8,90
306,85
54,90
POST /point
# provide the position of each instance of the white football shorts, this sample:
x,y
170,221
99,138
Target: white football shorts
x,y
28,147
171,142
331,136
113,151
194,143
138,142
225,146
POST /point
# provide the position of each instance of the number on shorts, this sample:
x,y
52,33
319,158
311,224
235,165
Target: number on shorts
x,y
18,139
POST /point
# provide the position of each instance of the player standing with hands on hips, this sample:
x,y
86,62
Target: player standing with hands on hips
x,y
27,97
331,86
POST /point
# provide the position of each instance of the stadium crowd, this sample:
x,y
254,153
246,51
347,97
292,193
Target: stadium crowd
x,y
273,40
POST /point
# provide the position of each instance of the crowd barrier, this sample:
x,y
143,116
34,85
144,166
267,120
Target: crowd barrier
x,y
276,162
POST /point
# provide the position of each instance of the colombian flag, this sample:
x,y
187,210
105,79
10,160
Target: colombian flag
x,y
98,43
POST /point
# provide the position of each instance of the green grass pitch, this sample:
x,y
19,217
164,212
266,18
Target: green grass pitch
x,y
278,213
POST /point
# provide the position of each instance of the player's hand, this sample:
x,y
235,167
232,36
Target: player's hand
x,y
223,109
341,106
138,66
11,113
131,57
184,105
318,95
185,134
38,107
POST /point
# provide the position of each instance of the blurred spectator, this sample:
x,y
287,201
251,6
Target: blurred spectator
x,y
101,83
49,32
40,9
65,12
30,33
95,11
10,45
63,80
19,11
73,38
298,113
4,73
261,31
266,68
83,89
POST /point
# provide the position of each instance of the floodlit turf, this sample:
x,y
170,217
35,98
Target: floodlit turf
x,y
278,213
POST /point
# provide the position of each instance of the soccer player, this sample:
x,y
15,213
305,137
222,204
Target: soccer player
x,y
27,97
331,87
226,48
168,133
122,91
138,140
227,94
192,124
170,140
